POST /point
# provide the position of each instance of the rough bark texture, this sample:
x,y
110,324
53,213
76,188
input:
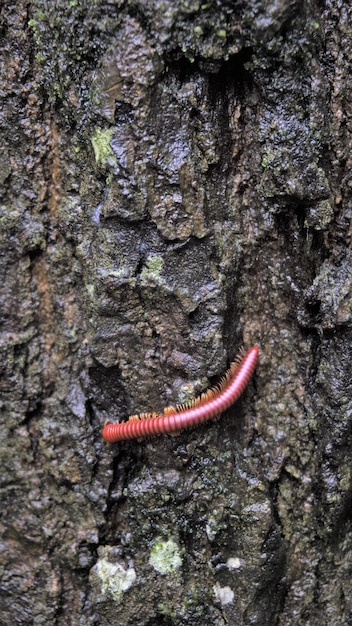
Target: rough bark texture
x,y
175,181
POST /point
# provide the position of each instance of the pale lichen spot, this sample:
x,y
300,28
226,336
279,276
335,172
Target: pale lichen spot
x,y
234,562
113,578
165,556
224,595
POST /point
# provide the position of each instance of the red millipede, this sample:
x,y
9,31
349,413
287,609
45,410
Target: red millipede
x,y
207,406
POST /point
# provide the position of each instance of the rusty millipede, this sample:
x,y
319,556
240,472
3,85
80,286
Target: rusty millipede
x,y
204,408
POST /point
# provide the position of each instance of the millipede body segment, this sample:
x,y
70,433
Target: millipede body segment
x,y
207,406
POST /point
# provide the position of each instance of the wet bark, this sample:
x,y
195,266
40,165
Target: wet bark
x,y
175,183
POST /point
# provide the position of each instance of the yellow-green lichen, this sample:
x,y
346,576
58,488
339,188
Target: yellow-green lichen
x,y
198,31
152,269
101,145
165,556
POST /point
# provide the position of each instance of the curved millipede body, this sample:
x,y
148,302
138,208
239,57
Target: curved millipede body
x,y
207,406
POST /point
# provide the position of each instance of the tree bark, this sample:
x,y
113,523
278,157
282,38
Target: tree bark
x,y
175,183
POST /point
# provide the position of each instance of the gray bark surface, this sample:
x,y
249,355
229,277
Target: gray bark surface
x,y
175,182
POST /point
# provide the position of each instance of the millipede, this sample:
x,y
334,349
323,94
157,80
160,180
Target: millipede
x,y
205,407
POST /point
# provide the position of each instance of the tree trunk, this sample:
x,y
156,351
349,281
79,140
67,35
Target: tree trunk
x,y
176,183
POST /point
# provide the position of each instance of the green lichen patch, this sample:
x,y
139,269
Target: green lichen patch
x,y
165,556
101,145
153,268
67,44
